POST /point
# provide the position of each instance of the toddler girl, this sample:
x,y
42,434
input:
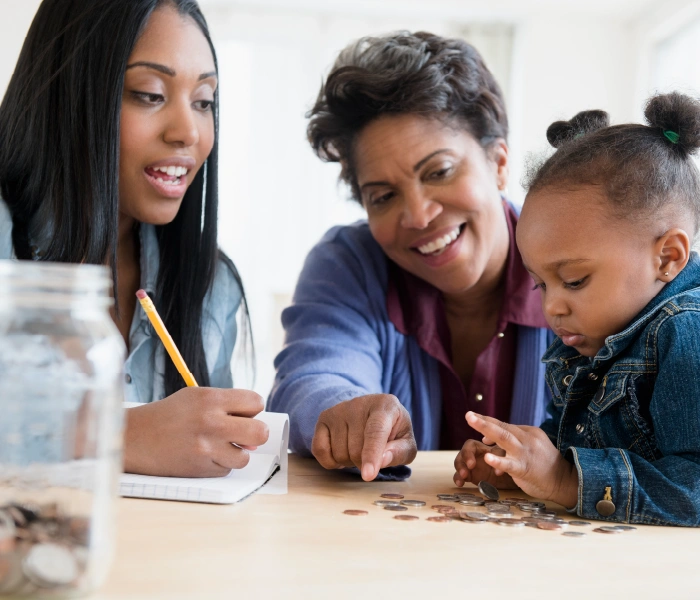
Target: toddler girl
x,y
606,232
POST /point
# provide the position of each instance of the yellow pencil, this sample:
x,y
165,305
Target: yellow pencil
x,y
164,336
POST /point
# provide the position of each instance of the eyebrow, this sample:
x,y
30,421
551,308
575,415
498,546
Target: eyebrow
x,y
166,70
556,265
416,167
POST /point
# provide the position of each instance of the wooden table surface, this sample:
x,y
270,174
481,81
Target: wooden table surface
x,y
301,545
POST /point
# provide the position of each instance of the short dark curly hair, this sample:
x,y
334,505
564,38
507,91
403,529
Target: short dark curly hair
x,y
642,169
404,73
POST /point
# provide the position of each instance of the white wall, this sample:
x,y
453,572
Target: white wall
x,y
16,17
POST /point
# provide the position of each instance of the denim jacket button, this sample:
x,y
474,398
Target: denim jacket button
x,y
592,376
567,380
580,428
127,378
606,506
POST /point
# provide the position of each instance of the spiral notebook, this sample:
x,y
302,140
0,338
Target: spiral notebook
x,y
266,473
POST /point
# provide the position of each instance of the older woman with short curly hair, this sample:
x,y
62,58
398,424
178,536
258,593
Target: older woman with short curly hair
x,y
402,323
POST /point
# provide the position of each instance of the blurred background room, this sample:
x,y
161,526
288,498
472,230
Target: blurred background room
x,y
552,58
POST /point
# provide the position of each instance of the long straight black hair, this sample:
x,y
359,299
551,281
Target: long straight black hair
x,y
59,160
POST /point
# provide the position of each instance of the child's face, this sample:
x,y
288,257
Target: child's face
x,y
595,272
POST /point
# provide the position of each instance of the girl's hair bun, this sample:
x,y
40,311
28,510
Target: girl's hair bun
x,y
561,132
678,118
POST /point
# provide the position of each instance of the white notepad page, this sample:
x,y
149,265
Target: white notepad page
x,y
268,460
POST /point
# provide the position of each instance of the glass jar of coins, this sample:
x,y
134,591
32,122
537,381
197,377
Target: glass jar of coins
x,y
61,359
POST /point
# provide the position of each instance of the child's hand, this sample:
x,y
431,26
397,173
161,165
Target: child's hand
x,y
531,459
470,466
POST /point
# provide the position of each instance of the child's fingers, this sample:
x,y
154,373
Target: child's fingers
x,y
505,435
502,464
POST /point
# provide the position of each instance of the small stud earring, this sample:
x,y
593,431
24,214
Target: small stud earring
x,y
666,273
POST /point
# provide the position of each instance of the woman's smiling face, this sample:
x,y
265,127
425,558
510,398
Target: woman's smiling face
x,y
433,199
167,119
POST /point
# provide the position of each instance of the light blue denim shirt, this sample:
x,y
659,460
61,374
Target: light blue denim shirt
x,y
145,365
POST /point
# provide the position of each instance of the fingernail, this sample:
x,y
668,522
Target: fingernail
x,y
367,472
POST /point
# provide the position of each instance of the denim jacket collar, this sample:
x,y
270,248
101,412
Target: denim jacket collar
x,y
560,353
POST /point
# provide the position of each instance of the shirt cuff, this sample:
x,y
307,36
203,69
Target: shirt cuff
x,y
597,470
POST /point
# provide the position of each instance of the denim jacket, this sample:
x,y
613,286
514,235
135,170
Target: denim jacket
x,y
145,366
629,417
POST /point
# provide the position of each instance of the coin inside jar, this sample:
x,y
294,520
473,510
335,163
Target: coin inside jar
x,y
414,503
406,517
488,490
355,512
392,496
7,532
396,508
50,565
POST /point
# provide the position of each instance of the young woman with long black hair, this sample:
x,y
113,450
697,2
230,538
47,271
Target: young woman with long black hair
x,y
108,155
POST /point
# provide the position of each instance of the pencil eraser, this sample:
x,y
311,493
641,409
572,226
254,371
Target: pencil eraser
x,y
141,295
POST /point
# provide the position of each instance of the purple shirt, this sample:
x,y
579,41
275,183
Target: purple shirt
x,y
417,308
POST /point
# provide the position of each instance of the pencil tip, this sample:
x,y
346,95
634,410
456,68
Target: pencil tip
x,y
141,295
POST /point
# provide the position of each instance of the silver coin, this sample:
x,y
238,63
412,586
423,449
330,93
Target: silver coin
x,y
626,527
489,490
525,507
497,508
534,520
545,513
539,504
447,497
414,503
50,565
558,521
386,502
511,522
574,534
471,502
475,516
395,508
579,523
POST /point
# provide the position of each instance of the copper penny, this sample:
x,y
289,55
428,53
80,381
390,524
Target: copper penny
x,y
549,526
354,512
607,530
441,506
392,496
406,517
439,519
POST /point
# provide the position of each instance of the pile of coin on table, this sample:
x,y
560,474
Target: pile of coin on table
x,y
41,550
498,511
